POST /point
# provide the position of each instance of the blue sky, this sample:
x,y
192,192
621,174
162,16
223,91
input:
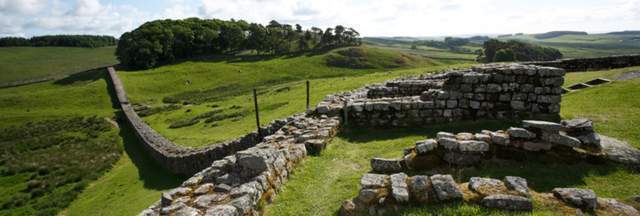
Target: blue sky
x,y
370,17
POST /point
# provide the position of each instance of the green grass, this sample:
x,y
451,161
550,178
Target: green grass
x,y
134,182
281,90
50,162
319,185
580,77
32,63
593,45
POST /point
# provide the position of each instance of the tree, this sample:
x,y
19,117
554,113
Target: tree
x,y
504,55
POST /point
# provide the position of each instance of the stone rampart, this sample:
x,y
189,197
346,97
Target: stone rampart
x,y
590,64
237,184
178,159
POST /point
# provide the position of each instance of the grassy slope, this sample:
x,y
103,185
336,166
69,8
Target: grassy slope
x,y
280,80
578,46
27,63
131,185
321,183
136,182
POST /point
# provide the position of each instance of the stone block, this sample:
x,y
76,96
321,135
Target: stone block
x,y
399,188
473,146
425,146
372,180
517,184
507,202
448,143
581,198
446,188
542,125
520,133
380,165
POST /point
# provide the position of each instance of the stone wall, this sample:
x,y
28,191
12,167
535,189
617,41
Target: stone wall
x,y
178,159
237,184
387,187
494,91
568,141
382,193
590,64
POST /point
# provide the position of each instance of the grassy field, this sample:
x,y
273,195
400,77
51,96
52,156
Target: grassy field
x,y
212,91
321,183
134,182
593,45
20,64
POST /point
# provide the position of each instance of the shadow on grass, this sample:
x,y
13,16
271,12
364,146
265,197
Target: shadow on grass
x,y
85,76
151,173
359,134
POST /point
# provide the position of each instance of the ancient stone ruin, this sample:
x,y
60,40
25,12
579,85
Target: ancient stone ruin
x,y
382,193
493,91
237,177
179,159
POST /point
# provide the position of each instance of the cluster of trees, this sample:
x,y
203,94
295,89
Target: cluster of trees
x,y
60,40
164,41
450,43
499,51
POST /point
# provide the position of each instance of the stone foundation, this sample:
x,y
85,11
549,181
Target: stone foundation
x,y
237,184
495,91
381,193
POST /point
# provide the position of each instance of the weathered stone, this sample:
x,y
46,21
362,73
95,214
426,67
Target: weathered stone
x,y
464,136
483,137
520,133
581,198
222,188
614,207
444,135
203,201
448,143
368,196
590,140
166,199
243,204
399,188
203,189
542,125
315,146
250,164
507,202
577,125
425,146
421,188
560,139
517,184
186,211
500,138
620,151
446,188
371,180
486,186
380,165
222,210
473,146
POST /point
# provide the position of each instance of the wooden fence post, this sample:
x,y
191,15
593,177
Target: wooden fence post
x,y
308,96
255,103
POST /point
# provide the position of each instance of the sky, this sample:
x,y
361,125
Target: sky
x,y
28,18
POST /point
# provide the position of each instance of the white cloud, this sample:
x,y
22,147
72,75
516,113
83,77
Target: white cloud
x,y
379,17
23,7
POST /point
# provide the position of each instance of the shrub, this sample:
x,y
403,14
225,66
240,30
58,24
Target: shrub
x,y
59,155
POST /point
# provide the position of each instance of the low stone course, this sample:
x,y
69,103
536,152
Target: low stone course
x,y
236,184
486,192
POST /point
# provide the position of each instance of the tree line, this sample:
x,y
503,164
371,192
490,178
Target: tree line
x,y
164,41
502,51
60,40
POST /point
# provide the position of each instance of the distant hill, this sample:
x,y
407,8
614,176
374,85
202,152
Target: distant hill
x,y
624,33
553,34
